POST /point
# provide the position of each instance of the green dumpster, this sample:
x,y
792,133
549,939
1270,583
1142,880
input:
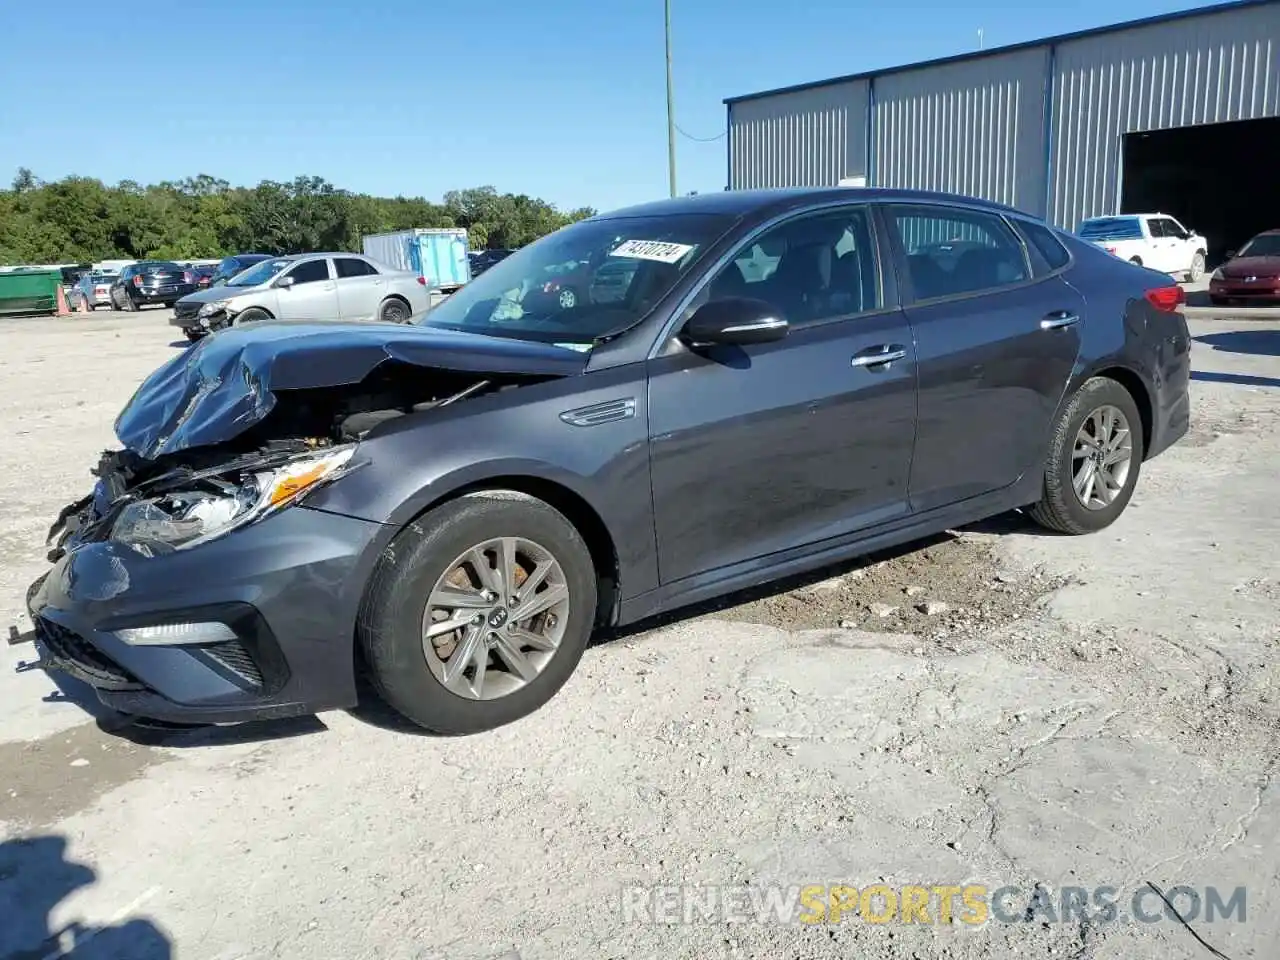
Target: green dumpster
x,y
29,291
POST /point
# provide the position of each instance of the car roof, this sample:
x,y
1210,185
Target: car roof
x,y
743,203
317,256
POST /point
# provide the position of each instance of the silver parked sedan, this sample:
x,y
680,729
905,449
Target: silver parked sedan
x,y
307,286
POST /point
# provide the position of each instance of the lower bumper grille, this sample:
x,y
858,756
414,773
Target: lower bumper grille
x,y
78,656
185,311
232,656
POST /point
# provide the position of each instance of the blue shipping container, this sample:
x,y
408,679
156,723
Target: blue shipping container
x,y
439,255
441,258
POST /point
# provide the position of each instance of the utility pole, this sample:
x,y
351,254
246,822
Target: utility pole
x,y
671,109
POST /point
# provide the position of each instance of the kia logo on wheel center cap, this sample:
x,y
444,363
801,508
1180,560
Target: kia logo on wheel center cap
x,y
498,618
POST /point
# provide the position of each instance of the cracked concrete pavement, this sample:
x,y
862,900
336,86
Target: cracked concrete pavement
x,y
996,707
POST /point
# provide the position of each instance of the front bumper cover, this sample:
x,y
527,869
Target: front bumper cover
x,y
288,588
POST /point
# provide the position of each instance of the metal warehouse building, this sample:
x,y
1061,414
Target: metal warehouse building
x,y
1178,114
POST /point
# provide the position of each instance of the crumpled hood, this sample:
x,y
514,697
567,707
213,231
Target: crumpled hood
x,y
227,382
209,294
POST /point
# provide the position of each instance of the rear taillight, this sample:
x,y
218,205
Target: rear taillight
x,y
422,281
1167,299
137,279
1110,250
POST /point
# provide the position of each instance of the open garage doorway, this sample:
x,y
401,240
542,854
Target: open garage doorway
x,y
1219,179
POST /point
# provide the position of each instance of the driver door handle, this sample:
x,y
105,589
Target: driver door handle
x,y
1059,319
879,356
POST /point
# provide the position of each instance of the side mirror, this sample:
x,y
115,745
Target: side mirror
x,y
735,320
1230,255
284,283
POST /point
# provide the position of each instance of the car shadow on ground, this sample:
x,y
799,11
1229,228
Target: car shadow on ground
x,y
156,733
371,709
374,711
1200,298
1239,379
35,876
1264,343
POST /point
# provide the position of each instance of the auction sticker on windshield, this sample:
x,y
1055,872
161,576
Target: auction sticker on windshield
x,y
658,250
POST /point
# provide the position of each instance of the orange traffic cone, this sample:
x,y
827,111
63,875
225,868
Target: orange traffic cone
x,y
63,309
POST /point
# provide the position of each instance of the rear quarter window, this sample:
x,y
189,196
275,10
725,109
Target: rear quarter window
x,y
1051,249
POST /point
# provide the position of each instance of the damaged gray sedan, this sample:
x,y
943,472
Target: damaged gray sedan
x,y
742,386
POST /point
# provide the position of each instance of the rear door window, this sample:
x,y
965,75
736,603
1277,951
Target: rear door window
x,y
951,252
353,267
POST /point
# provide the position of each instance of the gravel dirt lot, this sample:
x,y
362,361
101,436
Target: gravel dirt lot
x,y
995,707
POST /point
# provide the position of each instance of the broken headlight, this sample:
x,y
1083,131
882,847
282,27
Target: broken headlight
x,y
212,307
184,518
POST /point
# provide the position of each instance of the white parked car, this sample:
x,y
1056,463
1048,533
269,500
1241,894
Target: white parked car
x,y
306,286
1154,240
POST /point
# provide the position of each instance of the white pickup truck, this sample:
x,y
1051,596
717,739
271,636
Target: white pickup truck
x,y
1154,240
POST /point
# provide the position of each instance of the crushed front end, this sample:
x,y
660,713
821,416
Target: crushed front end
x,y
206,593
195,582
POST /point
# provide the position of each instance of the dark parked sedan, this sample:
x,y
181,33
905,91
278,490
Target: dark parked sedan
x,y
228,267
779,380
149,282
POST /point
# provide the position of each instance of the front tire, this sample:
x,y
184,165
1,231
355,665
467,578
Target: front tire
x,y
1196,273
194,335
252,315
1095,456
450,645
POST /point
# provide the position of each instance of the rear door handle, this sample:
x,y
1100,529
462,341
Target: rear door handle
x,y
1059,319
886,353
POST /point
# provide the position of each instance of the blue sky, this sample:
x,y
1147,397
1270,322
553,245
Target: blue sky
x,y
562,99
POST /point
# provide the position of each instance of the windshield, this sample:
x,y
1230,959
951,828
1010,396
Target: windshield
x,y
1266,245
258,273
1111,228
590,280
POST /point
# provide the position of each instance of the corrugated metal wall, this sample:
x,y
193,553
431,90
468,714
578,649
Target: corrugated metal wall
x,y
1208,69
974,127
809,138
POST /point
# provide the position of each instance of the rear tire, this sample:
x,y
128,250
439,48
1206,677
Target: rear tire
x,y
394,310
1136,261
1196,273
130,305
1072,460
410,671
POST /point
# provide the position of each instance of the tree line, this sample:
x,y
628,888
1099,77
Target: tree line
x,y
80,219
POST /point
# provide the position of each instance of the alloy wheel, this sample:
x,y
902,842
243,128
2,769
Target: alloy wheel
x,y
495,618
1101,458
